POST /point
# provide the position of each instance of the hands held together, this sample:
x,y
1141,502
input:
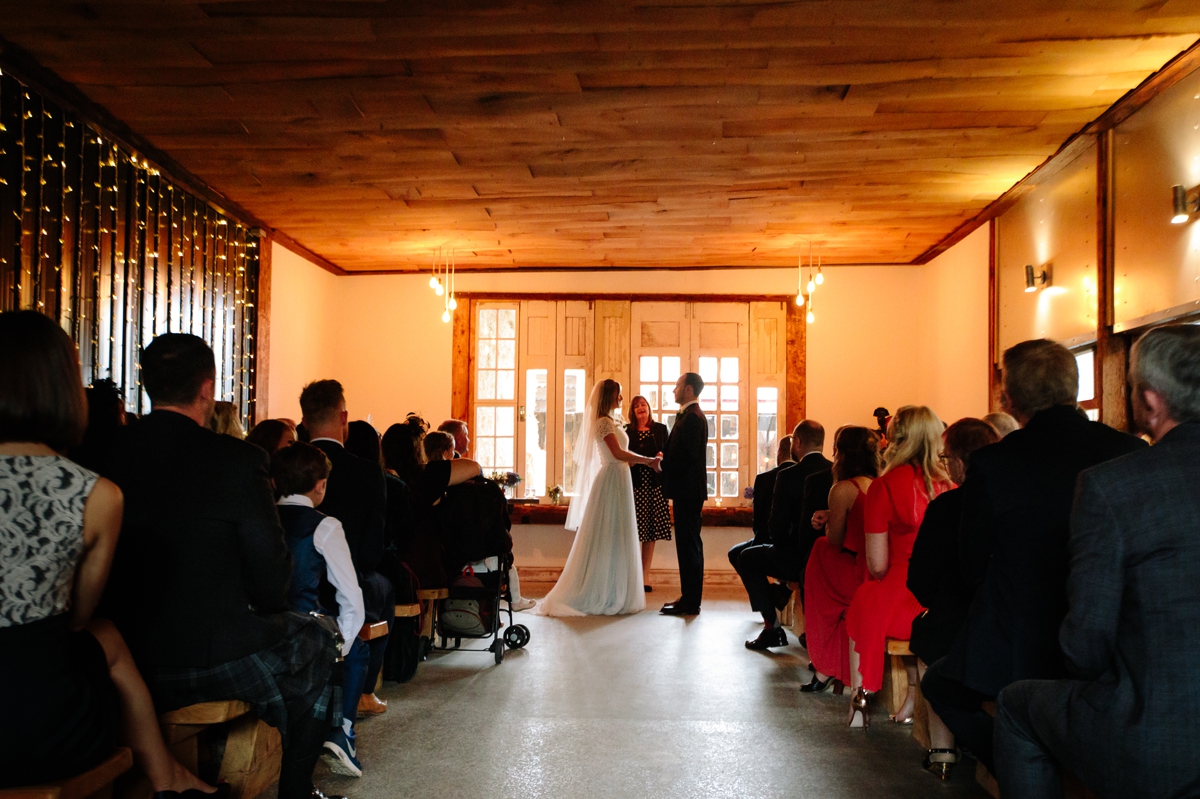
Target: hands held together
x,y
656,463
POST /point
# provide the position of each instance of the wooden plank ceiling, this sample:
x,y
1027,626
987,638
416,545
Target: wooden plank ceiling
x,y
584,134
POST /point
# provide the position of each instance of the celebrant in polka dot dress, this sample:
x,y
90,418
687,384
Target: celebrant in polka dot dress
x,y
648,438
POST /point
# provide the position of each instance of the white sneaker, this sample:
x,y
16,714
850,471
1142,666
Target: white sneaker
x,y
523,604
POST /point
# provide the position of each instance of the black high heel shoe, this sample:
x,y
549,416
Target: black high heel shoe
x,y
815,686
940,768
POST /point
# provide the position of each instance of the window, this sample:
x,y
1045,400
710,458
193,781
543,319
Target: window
x,y
1086,361
495,388
535,363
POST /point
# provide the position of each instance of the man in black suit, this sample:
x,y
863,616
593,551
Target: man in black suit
x,y
356,495
1013,541
1126,724
764,492
199,582
780,557
685,483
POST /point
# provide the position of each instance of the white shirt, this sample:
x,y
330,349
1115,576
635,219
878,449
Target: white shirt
x,y
687,405
330,542
326,438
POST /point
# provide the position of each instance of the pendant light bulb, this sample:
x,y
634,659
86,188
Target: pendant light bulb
x,y
812,286
800,299
433,282
453,304
811,317
438,290
446,315
820,278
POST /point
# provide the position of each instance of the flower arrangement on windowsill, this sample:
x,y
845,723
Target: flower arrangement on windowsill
x,y
555,493
506,480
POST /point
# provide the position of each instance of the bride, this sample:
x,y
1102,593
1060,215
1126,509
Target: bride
x,y
603,575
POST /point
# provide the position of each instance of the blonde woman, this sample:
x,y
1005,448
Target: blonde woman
x,y
883,607
603,574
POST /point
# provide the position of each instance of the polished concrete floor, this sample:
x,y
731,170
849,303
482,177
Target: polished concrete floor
x,y
643,707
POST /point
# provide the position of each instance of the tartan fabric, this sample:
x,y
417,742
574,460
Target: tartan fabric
x,y
291,677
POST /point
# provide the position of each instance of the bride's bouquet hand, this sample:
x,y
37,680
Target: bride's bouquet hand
x,y
656,463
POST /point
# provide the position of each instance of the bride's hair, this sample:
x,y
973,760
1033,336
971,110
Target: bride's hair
x,y
610,390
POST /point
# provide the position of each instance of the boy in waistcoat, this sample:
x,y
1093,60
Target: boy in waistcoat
x,y
321,562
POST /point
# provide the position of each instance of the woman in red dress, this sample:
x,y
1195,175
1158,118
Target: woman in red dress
x,y
837,565
883,607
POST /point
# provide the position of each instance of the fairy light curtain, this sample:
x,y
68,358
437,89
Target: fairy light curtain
x,y
94,236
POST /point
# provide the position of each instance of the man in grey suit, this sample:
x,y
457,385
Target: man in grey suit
x,y
1126,725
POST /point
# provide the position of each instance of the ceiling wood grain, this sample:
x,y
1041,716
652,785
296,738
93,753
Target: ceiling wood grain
x,y
655,133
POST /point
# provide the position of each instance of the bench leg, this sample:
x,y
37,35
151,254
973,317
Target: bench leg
x,y
252,757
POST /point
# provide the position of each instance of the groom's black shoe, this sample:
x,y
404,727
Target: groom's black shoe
x,y
769,637
677,608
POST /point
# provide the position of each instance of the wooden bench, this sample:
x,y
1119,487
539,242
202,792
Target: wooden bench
x,y
251,756
370,632
895,689
95,783
788,617
428,598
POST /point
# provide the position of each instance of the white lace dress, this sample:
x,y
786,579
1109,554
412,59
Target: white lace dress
x,y
603,575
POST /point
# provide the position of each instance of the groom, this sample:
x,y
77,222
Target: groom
x,y
685,483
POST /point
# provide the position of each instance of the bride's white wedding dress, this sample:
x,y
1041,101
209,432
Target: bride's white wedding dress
x,y
603,575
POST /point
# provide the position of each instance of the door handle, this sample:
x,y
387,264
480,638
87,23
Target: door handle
x,y
521,413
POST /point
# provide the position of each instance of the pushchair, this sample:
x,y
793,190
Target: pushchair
x,y
477,601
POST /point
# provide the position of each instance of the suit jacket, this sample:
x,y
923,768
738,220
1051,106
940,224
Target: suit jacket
x,y
685,476
936,580
201,566
1132,634
787,506
357,497
816,497
1013,545
764,495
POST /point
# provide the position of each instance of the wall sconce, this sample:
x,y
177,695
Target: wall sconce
x,y
1184,203
1032,278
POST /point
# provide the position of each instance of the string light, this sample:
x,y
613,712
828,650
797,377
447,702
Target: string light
x,y
103,245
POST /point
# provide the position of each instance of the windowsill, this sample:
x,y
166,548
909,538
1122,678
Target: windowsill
x,y
557,514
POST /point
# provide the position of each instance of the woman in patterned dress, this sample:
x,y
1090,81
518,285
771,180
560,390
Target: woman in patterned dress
x,y
648,438
68,684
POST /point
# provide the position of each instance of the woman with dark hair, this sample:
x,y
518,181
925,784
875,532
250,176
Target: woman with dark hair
x,y
837,565
648,438
401,448
68,684
362,439
935,576
272,435
106,417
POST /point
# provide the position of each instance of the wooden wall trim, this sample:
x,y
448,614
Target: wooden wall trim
x,y
288,243
530,270
460,360
262,343
1112,349
994,377
796,393
1135,99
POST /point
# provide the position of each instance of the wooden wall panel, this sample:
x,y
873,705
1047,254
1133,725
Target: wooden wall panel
x,y
461,360
797,358
612,319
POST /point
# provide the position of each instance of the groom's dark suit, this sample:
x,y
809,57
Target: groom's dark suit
x,y
685,483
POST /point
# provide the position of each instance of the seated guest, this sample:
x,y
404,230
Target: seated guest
x,y
462,439
781,557
935,579
272,435
815,508
883,607
105,417
1012,544
321,560
1003,422
68,685
764,492
403,453
424,551
1125,724
200,578
837,565
356,495
226,421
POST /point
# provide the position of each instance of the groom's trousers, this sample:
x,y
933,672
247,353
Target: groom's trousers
x,y
689,550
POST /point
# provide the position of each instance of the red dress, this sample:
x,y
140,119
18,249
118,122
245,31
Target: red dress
x,y
883,609
832,576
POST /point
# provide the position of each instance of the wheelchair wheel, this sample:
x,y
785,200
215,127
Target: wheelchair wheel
x,y
516,636
498,650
